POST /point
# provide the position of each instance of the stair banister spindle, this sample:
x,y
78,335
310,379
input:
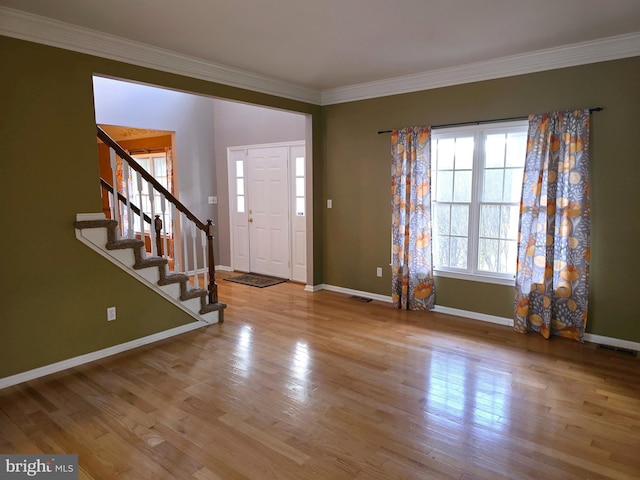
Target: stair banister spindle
x,y
139,185
115,210
126,171
163,208
213,288
153,215
196,279
203,243
185,258
176,238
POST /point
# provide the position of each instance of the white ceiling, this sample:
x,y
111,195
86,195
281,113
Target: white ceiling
x,y
327,44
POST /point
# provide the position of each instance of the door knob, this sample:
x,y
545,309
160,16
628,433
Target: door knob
x,y
251,220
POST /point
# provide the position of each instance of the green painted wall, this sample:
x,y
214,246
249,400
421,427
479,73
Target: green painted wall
x,y
357,179
54,289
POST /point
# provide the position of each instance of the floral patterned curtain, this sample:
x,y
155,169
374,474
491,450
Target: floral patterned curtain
x,y
412,266
553,252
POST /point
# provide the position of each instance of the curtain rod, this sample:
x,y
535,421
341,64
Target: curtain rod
x,y
480,122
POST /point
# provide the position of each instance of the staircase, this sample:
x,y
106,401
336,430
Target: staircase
x,y
115,239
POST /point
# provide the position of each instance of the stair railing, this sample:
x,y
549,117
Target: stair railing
x,y
172,237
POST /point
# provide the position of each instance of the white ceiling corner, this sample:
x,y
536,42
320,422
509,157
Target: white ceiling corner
x,y
39,29
613,48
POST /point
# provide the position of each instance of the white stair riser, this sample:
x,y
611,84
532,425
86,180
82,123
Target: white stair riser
x,y
151,274
173,290
211,317
193,304
125,256
97,236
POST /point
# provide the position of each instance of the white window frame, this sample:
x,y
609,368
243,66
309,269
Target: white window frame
x,y
479,132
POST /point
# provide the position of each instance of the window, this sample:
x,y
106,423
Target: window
x,y
156,165
477,180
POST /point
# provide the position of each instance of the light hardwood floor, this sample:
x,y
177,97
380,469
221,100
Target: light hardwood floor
x,y
298,385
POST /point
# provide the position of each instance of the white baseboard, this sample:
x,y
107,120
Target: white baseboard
x,y
223,268
589,337
97,355
359,293
474,315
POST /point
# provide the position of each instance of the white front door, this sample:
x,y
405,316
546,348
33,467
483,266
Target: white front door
x,y
268,211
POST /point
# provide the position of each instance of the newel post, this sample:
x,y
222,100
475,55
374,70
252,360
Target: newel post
x,y
157,223
213,288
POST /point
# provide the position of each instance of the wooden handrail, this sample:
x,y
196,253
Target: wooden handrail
x,y
123,154
207,228
123,199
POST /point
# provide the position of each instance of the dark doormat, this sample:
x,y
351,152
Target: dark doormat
x,y
256,280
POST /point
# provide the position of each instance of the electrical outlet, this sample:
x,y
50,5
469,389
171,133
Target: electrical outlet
x,y
379,271
111,313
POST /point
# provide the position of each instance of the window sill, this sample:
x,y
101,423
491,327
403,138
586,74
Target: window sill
x,y
475,277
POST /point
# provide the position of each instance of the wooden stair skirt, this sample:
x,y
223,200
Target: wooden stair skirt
x,y
130,255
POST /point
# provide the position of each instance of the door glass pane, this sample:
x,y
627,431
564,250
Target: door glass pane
x,y
459,220
300,206
464,153
240,201
299,166
492,185
240,186
299,187
239,168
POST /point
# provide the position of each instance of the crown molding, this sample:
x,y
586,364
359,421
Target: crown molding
x,y
35,28
611,48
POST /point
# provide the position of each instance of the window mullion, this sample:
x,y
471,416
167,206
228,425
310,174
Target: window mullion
x,y
476,196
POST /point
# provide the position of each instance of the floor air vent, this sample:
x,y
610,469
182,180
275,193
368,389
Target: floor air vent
x,y
623,351
360,299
